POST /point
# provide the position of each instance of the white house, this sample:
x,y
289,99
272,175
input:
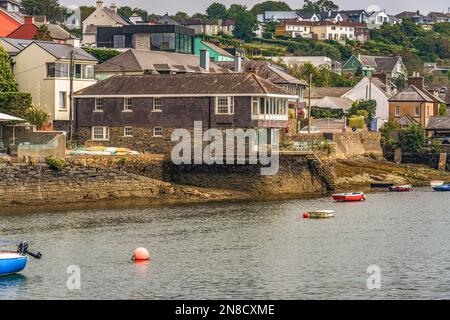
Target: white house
x,y
376,19
42,69
380,90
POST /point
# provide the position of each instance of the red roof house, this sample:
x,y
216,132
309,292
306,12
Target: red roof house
x,y
9,21
29,29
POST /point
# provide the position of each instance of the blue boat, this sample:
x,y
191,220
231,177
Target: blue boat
x,y
444,187
11,263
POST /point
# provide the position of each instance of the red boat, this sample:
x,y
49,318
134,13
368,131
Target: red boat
x,y
348,197
404,188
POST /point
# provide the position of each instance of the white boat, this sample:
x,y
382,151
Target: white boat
x,y
320,214
436,183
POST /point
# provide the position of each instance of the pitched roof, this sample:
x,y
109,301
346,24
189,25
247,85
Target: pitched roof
x,y
353,12
380,63
15,15
135,60
63,51
321,92
438,15
436,123
334,103
195,22
218,49
407,120
412,94
265,70
408,14
56,32
184,84
115,16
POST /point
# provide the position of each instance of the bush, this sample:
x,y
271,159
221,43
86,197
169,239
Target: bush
x,y
15,103
102,55
356,122
36,116
55,164
414,139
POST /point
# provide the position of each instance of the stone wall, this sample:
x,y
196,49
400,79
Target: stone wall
x,y
294,177
356,143
23,183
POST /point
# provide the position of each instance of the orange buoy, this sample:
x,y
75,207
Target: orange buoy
x,y
141,254
306,215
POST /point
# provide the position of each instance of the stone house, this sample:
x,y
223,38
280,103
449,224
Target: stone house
x,y
141,112
101,17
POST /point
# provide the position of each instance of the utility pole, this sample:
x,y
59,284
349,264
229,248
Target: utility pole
x,y
71,106
370,87
309,103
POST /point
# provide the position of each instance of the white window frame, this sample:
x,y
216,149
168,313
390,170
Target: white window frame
x,y
397,111
255,104
157,104
127,105
417,114
125,132
157,135
105,133
62,99
230,106
97,105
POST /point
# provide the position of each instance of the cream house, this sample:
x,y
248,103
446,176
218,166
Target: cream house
x,y
42,69
101,17
339,31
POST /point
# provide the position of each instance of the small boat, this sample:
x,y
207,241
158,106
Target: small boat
x,y
321,214
381,185
435,183
348,197
444,187
12,262
402,188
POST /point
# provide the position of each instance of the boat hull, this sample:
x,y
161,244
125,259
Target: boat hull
x,y
444,187
404,188
11,263
349,197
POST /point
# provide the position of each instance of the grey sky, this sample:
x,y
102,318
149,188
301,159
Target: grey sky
x,y
193,6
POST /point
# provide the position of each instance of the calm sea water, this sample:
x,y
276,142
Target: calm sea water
x,y
259,250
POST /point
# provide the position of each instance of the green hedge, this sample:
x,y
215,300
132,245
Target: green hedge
x,y
102,55
14,103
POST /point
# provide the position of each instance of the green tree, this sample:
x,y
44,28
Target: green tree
x,y
125,11
43,34
216,11
49,8
86,11
7,82
180,15
200,15
413,139
270,6
368,107
442,109
234,10
245,26
386,130
319,6
36,116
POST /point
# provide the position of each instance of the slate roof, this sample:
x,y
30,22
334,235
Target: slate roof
x,y
62,51
115,16
412,94
135,60
438,123
321,92
334,103
265,70
382,64
184,84
218,49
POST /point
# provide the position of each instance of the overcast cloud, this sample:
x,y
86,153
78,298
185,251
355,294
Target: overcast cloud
x,y
193,6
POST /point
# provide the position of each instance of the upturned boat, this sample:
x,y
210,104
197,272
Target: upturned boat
x,y
12,262
402,188
349,197
320,214
444,187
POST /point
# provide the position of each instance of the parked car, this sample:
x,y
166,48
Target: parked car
x,y
313,130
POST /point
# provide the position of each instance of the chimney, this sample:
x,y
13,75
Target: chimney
x,y
237,63
29,20
417,80
204,59
99,4
418,12
113,7
74,42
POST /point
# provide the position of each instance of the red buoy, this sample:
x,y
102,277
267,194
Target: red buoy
x,y
141,254
306,215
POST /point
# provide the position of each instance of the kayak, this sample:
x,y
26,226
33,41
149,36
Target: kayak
x,y
403,188
11,263
321,214
444,187
347,197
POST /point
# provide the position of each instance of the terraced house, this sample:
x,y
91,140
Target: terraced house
x,y
141,112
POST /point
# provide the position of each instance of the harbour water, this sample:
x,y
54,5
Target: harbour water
x,y
239,250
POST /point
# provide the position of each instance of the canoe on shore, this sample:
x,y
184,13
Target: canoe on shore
x,y
444,187
321,214
349,197
402,188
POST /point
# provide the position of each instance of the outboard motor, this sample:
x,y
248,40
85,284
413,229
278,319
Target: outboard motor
x,y
22,249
